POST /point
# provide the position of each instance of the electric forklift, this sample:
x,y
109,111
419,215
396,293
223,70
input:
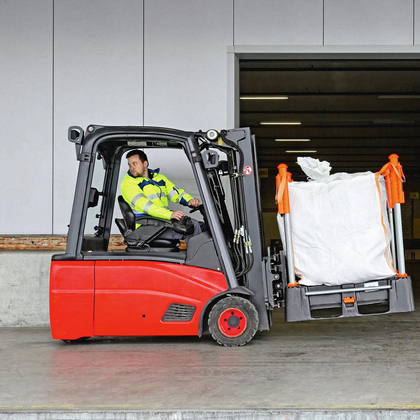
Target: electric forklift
x,y
224,283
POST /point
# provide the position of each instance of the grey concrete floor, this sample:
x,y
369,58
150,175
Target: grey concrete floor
x,y
353,364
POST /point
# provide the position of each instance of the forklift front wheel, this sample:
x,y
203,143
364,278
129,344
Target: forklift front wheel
x,y
233,321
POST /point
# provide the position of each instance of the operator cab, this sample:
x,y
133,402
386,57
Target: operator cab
x,y
109,166
101,186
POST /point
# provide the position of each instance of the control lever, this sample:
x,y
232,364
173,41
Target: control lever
x,y
199,208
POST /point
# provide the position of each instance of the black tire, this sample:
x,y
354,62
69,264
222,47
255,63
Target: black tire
x,y
233,321
77,340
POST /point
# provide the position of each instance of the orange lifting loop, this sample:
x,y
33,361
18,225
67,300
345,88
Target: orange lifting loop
x,y
394,178
282,193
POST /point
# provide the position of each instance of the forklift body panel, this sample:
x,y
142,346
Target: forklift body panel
x,y
151,298
72,299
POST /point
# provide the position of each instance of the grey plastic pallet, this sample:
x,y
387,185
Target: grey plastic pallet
x,y
373,297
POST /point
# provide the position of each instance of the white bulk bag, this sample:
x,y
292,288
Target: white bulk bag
x,y
340,229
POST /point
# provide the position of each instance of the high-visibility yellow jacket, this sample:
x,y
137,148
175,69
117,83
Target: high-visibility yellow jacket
x,y
149,196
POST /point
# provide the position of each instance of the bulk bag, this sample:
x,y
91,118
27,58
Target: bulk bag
x,y
340,229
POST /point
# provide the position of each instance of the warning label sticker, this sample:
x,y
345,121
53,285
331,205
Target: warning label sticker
x,y
247,170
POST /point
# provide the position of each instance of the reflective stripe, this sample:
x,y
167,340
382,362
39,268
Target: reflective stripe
x,y
172,193
153,196
147,206
179,198
133,201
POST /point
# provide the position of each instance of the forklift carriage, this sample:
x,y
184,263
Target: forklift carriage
x,y
223,282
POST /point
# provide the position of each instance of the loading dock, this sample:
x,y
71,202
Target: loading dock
x,y
349,109
310,370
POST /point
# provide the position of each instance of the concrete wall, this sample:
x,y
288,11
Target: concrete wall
x,y
24,279
133,62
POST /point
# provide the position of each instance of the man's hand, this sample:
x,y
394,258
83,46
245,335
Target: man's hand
x,y
194,202
177,215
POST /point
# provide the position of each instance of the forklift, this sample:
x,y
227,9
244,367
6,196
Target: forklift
x,y
225,283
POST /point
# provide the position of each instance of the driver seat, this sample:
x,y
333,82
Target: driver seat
x,y
146,237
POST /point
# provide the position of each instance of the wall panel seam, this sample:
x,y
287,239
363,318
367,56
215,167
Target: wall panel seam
x,y
323,22
233,22
144,67
52,116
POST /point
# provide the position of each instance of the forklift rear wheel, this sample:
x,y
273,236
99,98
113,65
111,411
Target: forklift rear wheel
x,y
233,321
77,340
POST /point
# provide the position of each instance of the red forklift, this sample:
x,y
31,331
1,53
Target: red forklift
x,y
224,283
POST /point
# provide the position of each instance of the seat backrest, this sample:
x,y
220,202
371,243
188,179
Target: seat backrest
x,y
121,226
127,212
147,235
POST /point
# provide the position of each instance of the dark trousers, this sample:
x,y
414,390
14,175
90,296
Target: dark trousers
x,y
170,234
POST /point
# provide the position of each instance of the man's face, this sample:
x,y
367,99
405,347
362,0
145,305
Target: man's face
x,y
137,167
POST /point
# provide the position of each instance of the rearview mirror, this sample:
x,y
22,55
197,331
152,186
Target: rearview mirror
x,y
93,197
210,159
75,134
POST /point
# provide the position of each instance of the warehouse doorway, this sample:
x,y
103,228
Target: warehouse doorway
x,y
352,113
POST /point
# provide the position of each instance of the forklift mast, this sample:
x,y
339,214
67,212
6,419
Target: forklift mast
x,y
248,227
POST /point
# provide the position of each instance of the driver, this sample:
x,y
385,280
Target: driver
x,y
147,192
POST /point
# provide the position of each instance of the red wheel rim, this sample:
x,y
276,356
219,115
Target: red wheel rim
x,y
232,322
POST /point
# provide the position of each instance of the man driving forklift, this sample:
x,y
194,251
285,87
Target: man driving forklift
x,y
147,192
224,283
